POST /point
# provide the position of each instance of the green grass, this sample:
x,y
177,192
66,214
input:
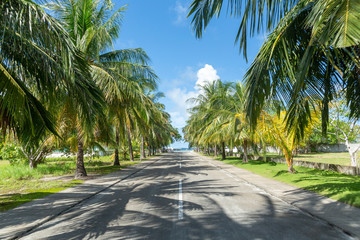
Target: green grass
x,y
21,191
340,187
20,184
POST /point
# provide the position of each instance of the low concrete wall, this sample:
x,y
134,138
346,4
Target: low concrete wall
x,y
323,166
331,148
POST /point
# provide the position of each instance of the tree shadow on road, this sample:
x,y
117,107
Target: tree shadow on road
x,y
146,206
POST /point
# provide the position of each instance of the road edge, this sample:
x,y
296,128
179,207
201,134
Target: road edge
x,y
343,229
132,170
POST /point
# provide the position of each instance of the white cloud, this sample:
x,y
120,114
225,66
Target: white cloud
x,y
181,13
179,96
189,74
185,77
262,37
205,75
178,119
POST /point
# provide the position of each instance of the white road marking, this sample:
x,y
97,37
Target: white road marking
x,y
181,213
180,165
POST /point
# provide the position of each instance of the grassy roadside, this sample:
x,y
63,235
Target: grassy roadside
x,y
19,184
342,158
340,187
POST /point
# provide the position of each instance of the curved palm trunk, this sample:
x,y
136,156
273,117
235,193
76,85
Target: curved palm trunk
x,y
143,154
34,154
116,157
223,156
32,164
131,154
80,167
289,161
291,168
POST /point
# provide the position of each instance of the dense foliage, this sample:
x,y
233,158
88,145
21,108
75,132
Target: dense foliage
x,y
62,85
309,59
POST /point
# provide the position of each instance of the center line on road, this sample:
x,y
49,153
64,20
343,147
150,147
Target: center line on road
x,y
181,214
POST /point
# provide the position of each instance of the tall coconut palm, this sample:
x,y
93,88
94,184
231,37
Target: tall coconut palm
x,y
38,62
312,51
204,127
234,121
145,128
93,26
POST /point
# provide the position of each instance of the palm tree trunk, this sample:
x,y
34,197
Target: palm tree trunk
x,y
143,154
131,154
264,152
245,160
149,150
32,164
290,163
154,151
223,156
80,167
215,151
289,160
116,157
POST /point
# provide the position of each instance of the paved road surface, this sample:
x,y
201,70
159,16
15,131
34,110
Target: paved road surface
x,y
183,196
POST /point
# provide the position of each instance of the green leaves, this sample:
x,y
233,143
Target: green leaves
x,y
255,15
35,55
218,115
336,23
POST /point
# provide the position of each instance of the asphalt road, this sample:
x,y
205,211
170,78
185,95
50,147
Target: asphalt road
x,y
182,196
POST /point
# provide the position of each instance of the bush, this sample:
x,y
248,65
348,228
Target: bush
x,y
12,153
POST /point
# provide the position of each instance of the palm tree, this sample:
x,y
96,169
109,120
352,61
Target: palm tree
x,y
234,120
93,30
272,128
145,128
205,125
38,62
156,129
310,53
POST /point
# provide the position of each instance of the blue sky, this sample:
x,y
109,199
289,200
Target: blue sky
x,y
180,60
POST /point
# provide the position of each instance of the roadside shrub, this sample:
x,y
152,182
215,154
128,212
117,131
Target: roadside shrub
x,y
12,153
